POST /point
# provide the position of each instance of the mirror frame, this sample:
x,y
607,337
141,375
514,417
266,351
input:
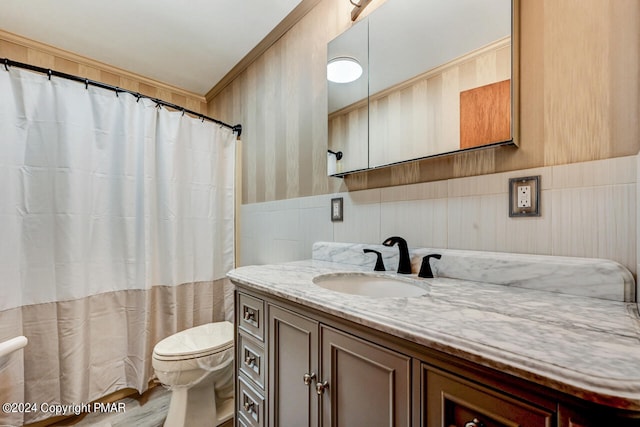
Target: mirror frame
x,y
514,110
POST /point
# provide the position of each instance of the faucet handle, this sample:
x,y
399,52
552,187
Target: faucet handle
x,y
425,268
379,263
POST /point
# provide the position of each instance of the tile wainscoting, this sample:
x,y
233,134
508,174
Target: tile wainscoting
x,y
587,209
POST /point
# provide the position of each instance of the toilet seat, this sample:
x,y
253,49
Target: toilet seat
x,y
196,342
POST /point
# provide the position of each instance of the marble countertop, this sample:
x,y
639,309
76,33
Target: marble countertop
x,y
587,347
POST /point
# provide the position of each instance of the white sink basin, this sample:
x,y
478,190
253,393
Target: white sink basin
x,y
372,285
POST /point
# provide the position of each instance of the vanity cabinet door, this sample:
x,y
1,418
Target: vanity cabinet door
x,y
362,384
293,353
455,402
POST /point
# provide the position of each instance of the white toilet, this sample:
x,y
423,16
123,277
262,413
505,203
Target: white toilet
x,y
197,366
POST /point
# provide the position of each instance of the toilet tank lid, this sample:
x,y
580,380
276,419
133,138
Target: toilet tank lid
x,y
208,338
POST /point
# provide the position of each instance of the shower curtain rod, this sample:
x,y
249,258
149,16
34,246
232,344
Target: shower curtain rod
x,y
9,63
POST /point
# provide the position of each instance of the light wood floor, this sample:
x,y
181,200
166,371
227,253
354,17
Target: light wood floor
x,y
148,410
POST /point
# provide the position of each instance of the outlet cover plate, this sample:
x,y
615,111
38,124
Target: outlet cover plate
x,y
529,187
337,209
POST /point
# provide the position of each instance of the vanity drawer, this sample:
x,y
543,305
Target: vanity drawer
x,y
452,401
250,405
251,316
251,359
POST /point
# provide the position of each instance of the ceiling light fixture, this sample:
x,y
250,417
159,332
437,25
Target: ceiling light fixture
x,y
343,70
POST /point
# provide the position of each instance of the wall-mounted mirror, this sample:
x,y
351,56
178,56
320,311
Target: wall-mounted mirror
x,y
438,79
348,103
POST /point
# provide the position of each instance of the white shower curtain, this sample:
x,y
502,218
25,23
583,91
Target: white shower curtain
x,y
116,230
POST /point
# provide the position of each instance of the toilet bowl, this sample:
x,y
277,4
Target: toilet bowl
x,y
197,366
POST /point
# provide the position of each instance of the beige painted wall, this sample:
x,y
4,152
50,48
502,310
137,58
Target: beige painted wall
x,y
580,101
580,98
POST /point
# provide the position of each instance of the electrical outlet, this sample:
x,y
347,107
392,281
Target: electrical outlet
x,y
524,196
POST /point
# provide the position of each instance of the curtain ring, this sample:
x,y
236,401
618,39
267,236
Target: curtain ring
x,y
183,112
6,64
86,83
49,74
138,96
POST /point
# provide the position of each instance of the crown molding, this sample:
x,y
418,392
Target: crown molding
x,y
73,57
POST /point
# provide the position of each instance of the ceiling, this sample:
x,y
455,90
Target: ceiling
x,y
188,44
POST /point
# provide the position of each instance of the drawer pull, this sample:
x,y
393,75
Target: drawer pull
x,y
250,361
249,314
248,406
474,423
307,378
321,387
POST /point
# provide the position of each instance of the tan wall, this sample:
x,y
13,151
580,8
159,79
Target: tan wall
x,y
281,101
579,92
20,49
579,98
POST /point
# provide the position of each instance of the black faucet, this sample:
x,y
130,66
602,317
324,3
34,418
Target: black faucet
x,y
404,265
425,268
379,263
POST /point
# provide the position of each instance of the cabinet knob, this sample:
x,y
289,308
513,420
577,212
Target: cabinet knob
x,y
322,386
307,378
474,423
249,314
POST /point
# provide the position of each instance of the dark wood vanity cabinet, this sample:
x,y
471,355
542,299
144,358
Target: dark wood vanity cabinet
x,y
321,376
450,400
300,367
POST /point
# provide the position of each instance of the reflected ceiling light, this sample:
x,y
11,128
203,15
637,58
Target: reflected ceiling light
x,y
343,70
